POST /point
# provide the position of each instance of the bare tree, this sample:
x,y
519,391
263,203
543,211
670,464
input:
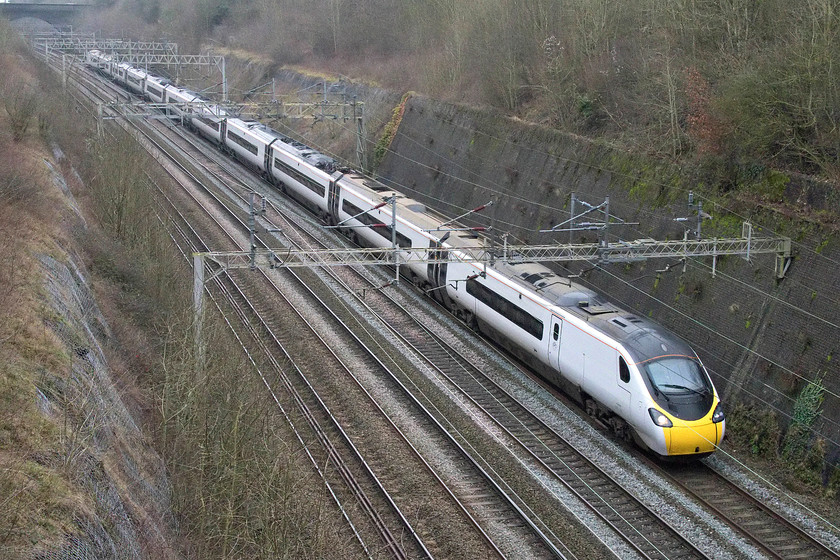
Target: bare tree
x,y
21,102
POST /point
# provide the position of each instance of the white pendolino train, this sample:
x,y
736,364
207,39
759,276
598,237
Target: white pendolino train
x,y
630,373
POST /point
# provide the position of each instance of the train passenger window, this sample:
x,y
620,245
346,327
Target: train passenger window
x,y
623,370
242,142
507,309
556,331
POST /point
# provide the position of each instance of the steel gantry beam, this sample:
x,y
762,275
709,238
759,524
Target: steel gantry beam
x,y
146,59
136,53
80,45
169,59
591,252
153,109
58,34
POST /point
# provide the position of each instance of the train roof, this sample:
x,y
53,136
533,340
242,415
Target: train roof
x,y
267,134
644,339
413,211
159,79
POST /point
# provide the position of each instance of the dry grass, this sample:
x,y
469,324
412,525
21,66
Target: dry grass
x,y
38,501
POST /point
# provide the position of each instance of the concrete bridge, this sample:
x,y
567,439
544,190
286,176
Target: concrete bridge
x,y
52,11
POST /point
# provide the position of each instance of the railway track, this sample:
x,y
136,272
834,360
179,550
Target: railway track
x,y
634,522
773,534
270,333
338,462
338,459
487,497
289,336
648,534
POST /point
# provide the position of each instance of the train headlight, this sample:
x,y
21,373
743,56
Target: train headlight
x,y
717,416
659,419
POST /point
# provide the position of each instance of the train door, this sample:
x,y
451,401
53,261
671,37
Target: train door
x,y
332,200
269,152
555,334
437,272
623,387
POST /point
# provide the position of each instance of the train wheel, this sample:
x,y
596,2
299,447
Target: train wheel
x,y
469,319
591,408
621,429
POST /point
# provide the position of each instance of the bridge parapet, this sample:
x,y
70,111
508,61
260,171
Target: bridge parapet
x,y
52,11
67,3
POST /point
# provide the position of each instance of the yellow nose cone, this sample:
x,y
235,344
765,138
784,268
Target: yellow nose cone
x,y
694,438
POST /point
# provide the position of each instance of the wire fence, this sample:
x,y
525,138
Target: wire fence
x,y
123,482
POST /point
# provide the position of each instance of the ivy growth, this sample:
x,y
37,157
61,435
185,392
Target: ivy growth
x,y
390,131
806,411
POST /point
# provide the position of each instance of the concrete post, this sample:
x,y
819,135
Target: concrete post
x,y
198,309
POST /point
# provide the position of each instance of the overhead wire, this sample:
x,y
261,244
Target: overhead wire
x,y
629,176
502,193
746,390
715,204
603,169
731,341
474,184
404,187
766,294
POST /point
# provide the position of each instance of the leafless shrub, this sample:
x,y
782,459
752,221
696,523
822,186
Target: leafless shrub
x,y
21,102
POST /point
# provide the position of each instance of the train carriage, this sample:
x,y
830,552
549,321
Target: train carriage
x,y
304,177
134,79
209,125
99,60
244,140
179,98
639,379
155,88
362,202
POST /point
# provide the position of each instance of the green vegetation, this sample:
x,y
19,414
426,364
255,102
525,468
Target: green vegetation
x,y
390,131
806,411
737,84
756,430
38,500
241,486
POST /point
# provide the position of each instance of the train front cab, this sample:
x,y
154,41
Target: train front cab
x,y
693,439
685,407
